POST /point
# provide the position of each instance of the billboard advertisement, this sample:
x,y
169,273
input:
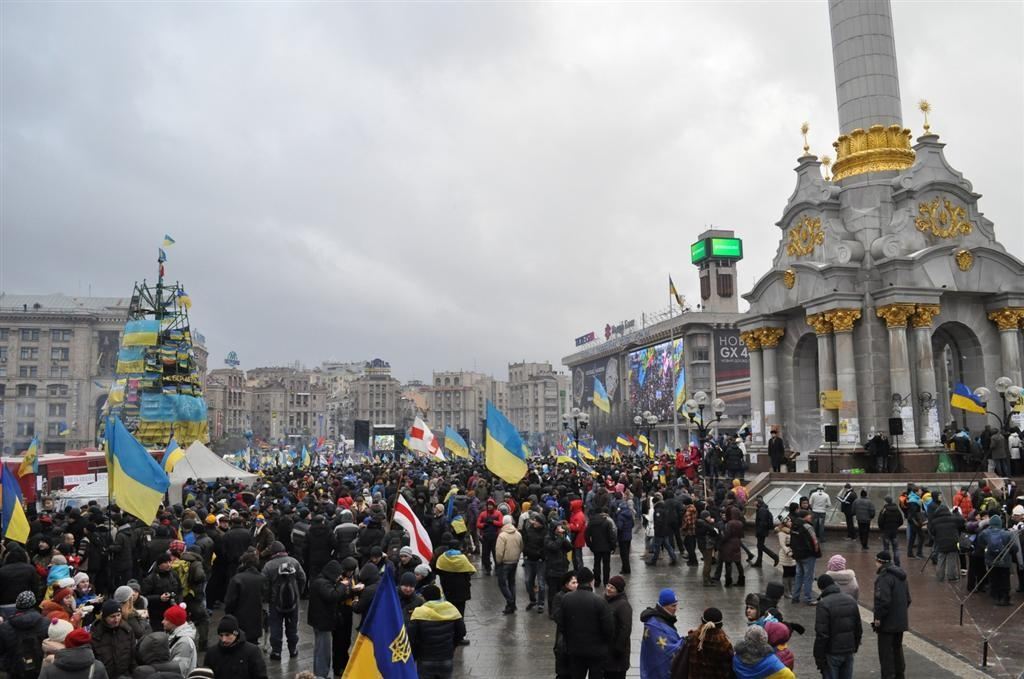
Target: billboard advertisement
x,y
657,378
604,369
732,373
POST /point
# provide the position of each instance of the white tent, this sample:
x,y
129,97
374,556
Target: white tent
x,y
81,495
201,463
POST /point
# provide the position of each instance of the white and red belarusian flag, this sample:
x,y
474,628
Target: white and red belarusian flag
x,y
418,538
422,440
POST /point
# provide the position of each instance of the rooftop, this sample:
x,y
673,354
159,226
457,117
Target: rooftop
x,y
60,303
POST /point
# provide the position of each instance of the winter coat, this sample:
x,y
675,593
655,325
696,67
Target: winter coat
x,y
533,542
749,663
183,647
433,629
945,528
489,523
785,551
155,659
729,548
369,577
325,597
556,564
577,524
271,571
892,600
663,519
74,663
241,660
600,533
734,458
624,522
837,626
509,546
802,540
863,510
660,643
890,519
712,661
247,591
618,647
586,622
846,581
155,584
235,543
16,578
344,538
318,548
763,521
23,623
114,647
454,572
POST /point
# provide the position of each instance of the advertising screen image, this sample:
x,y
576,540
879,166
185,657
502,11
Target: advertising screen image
x,y
384,442
657,380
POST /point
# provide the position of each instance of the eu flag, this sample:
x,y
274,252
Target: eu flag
x,y
382,649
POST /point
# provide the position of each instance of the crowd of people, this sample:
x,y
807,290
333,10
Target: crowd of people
x,y
96,592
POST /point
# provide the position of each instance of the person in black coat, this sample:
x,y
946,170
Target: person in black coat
x,y
890,520
17,575
588,626
837,629
26,622
235,543
622,614
235,657
247,591
776,451
556,564
601,539
435,628
764,524
318,547
327,593
945,528
891,615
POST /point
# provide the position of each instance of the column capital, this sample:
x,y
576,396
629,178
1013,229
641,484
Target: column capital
x,y
842,320
821,325
752,339
895,315
769,337
923,315
1007,318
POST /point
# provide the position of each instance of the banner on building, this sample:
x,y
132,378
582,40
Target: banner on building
x,y
732,373
604,369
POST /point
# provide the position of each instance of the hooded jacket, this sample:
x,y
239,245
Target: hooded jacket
x,y
325,597
618,647
434,628
155,659
241,660
74,663
369,576
183,647
945,528
837,626
21,623
246,592
577,524
892,600
586,623
660,643
752,661
454,571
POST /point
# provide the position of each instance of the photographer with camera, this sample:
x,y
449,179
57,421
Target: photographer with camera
x,y
162,588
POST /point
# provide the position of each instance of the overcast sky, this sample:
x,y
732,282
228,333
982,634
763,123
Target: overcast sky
x,y
450,186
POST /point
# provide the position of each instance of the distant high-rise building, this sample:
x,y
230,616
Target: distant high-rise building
x,y
459,399
377,395
288,404
537,398
228,403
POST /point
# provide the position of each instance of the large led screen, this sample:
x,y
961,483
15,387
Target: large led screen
x,y
657,379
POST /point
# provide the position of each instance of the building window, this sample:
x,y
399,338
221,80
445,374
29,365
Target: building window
x,y
26,410
29,335
705,287
28,371
107,346
29,354
57,410
26,390
26,429
3,354
60,371
57,390
60,354
725,287
53,429
60,335
4,332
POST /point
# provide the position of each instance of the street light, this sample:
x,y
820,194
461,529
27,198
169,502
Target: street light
x,y
694,408
1006,388
579,420
644,422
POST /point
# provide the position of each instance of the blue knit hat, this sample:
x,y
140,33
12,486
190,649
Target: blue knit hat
x,y
666,597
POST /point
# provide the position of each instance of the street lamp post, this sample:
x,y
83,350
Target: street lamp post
x,y
644,422
579,421
1006,389
694,408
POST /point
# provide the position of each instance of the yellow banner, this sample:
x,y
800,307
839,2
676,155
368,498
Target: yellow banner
x,y
831,399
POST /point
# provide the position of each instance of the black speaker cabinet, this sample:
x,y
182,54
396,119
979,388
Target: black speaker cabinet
x,y
895,426
831,433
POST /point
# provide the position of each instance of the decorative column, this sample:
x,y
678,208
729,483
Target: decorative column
x,y
842,321
753,342
1007,320
929,431
826,363
896,316
769,339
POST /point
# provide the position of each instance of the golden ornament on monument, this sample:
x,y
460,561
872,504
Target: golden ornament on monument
x,y
789,278
964,259
805,236
943,218
877,149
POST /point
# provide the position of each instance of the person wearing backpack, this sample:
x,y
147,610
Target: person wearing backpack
x,y
1002,549
21,639
287,581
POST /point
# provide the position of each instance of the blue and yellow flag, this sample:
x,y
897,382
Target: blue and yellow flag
x,y
382,649
306,459
30,462
624,440
15,523
584,451
139,482
172,455
965,400
62,429
601,401
183,298
455,444
503,447
168,241
140,333
647,446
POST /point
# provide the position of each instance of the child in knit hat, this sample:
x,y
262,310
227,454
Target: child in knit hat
x,y
55,635
845,577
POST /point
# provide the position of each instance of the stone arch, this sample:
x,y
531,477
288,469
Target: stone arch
x,y
958,358
805,419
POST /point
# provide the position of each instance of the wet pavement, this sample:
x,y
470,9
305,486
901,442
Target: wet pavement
x,y
519,646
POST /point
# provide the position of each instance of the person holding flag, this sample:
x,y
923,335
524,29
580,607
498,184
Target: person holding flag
x,y
30,462
382,648
15,522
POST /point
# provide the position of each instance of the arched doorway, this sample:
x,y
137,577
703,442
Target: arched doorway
x,y
958,358
805,430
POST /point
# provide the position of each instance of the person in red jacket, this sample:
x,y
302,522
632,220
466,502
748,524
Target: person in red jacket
x,y
578,532
489,524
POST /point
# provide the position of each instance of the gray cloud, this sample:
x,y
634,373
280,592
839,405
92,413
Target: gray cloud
x,y
445,186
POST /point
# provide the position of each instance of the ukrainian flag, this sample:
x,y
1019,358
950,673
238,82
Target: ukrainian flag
x,y
583,450
15,523
647,446
623,441
141,333
601,400
306,459
139,482
30,462
455,444
565,459
168,241
503,447
965,400
382,649
172,455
